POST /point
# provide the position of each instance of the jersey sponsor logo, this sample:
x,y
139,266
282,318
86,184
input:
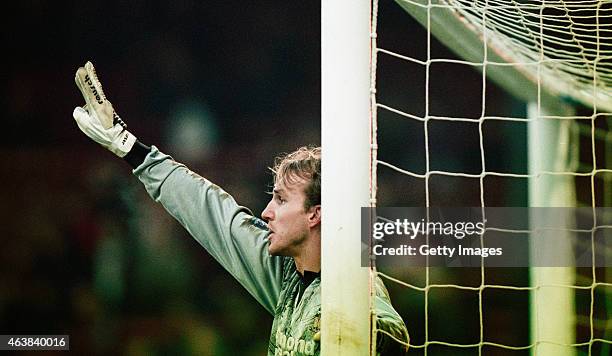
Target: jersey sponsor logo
x,y
290,346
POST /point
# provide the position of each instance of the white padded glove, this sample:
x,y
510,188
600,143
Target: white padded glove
x,y
97,118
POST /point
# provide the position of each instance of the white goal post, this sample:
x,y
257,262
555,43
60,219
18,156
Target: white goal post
x,y
552,314
345,117
552,54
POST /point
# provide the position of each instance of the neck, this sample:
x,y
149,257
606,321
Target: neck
x,y
309,258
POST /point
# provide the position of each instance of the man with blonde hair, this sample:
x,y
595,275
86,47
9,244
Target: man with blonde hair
x,y
277,261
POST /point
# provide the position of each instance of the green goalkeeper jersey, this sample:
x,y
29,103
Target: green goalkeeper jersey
x,y
238,241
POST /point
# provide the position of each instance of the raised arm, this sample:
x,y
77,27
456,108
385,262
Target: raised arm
x,y
226,230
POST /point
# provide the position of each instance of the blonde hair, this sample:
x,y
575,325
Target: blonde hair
x,y
301,164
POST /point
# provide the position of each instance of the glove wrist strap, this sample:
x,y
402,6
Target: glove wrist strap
x,y
123,143
137,154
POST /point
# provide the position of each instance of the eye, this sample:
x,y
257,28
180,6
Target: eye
x,y
280,200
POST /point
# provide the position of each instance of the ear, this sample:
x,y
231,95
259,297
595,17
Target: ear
x,y
314,216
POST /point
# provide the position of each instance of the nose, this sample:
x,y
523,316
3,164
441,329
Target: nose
x,y
267,214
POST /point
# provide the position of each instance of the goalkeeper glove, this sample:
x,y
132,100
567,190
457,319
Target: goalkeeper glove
x,y
97,118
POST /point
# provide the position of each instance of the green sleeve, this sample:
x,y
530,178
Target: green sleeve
x,y
229,232
389,320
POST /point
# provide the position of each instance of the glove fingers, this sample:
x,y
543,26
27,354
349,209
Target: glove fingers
x,y
89,91
91,88
105,115
79,79
91,71
87,81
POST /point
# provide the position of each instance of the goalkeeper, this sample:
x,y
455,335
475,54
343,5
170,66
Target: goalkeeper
x,y
279,263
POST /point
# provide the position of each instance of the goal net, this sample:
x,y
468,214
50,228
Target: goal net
x,y
495,104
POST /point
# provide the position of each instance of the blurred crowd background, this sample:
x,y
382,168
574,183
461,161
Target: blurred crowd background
x,y
224,87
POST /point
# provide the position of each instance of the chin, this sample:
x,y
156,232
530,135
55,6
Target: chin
x,y
273,248
274,251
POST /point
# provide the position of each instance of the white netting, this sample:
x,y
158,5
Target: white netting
x,y
567,42
563,49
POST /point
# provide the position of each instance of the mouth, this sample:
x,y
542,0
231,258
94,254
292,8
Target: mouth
x,y
271,239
